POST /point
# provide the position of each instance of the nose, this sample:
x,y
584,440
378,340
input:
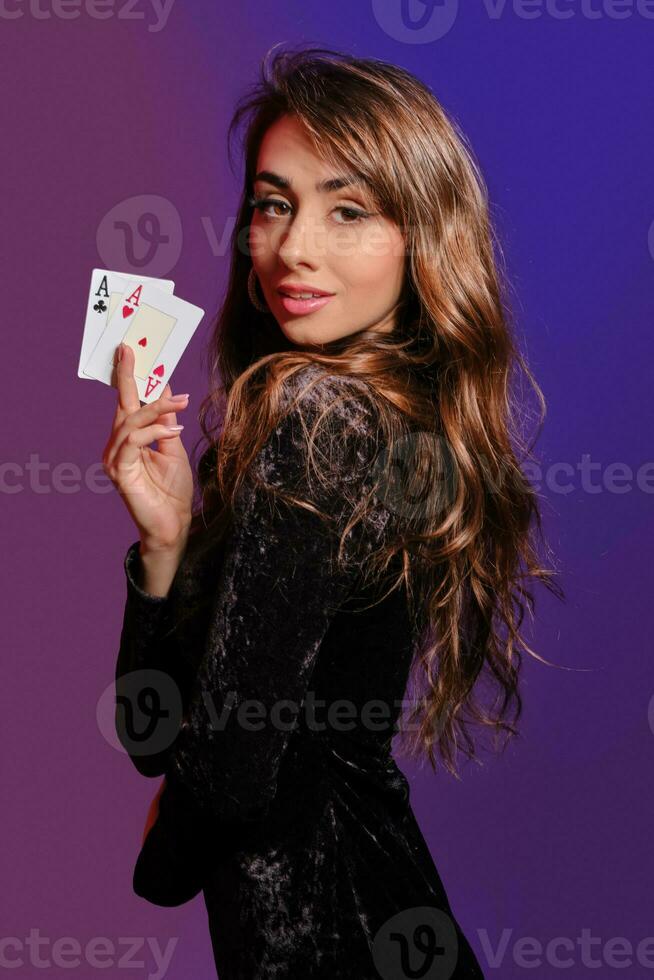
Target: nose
x,y
300,242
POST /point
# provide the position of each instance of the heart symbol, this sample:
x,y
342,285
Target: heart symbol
x,y
127,311
159,370
143,342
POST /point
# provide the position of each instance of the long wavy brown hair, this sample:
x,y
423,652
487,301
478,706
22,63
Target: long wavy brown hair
x,y
443,384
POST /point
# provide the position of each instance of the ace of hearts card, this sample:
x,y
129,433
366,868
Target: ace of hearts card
x,y
105,292
157,325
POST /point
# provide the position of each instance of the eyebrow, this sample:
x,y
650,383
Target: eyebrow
x,y
328,185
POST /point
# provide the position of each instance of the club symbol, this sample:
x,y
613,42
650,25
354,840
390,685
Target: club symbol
x,y
100,307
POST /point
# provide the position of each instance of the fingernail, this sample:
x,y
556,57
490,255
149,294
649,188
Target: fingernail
x,y
174,428
120,352
179,398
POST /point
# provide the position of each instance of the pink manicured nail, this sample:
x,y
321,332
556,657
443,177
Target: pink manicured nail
x,y
174,428
179,398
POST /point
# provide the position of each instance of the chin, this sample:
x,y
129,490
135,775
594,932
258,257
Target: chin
x,y
298,333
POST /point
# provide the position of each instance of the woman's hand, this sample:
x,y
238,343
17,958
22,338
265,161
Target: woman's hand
x,y
153,813
156,485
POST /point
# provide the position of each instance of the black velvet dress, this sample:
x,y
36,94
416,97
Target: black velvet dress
x,y
271,714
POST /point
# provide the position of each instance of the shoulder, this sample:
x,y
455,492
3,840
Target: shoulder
x,y
345,399
325,452
329,425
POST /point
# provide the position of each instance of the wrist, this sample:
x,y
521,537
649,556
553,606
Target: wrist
x,y
158,567
157,549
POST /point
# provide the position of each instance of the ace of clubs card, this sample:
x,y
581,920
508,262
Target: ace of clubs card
x,y
158,326
106,290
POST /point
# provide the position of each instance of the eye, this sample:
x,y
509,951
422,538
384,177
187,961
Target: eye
x,y
353,213
262,203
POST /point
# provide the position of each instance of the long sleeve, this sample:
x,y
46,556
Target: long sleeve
x,y
153,678
278,590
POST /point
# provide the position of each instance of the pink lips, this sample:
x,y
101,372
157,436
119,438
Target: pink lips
x,y
303,306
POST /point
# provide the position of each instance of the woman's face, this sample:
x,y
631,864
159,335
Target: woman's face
x,y
322,239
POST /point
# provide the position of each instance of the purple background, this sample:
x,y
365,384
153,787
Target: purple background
x,y
553,837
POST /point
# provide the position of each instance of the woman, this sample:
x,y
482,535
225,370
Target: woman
x,y
363,513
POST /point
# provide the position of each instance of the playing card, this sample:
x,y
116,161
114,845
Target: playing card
x,y
107,287
157,326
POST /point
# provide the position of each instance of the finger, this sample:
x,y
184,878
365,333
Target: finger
x,y
128,393
130,448
128,453
146,415
167,418
162,407
171,447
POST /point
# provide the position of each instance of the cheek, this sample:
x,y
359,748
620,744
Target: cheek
x,y
376,275
378,259
261,246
